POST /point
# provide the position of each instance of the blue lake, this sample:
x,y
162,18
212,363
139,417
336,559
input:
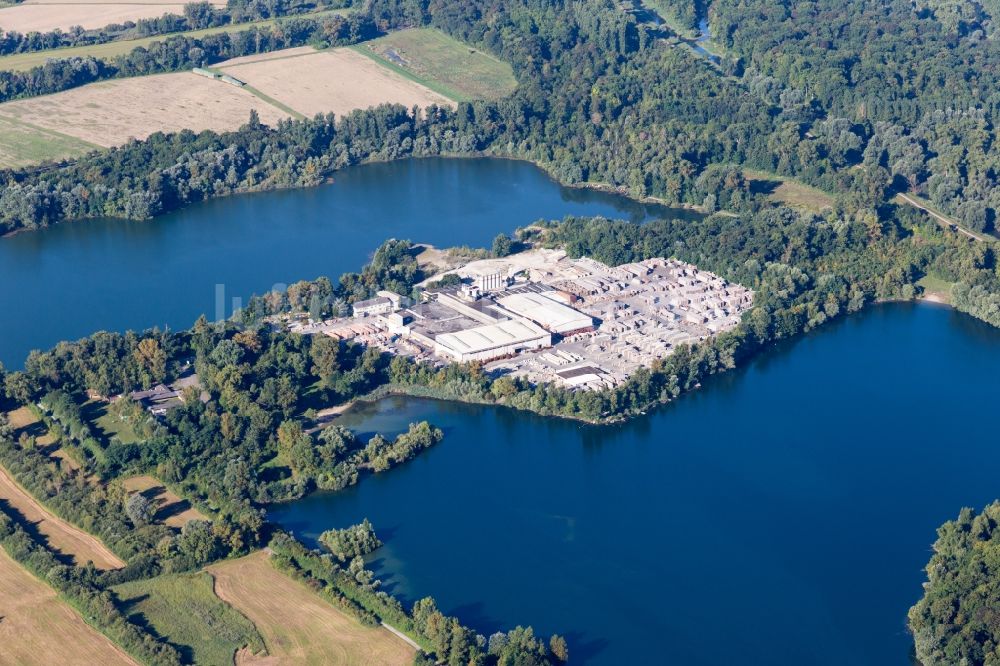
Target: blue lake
x,y
73,279
780,515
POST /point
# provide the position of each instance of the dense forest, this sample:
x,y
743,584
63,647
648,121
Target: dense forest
x,y
957,620
912,87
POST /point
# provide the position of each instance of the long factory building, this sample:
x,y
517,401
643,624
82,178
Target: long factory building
x,y
492,341
462,324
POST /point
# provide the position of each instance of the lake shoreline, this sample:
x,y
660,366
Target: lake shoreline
x,y
753,439
331,178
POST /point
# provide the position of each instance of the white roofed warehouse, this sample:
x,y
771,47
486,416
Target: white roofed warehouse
x,y
492,341
548,313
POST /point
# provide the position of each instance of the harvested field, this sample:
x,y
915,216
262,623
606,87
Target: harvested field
x,y
292,82
65,459
184,610
170,509
272,55
111,112
443,64
39,629
299,627
25,61
47,15
22,144
337,80
60,535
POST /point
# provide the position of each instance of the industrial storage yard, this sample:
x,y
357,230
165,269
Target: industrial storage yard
x,y
547,318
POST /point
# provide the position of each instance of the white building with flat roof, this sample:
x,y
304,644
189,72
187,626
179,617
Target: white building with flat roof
x,y
492,341
548,313
373,306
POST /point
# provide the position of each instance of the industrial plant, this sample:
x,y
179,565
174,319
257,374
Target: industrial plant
x,y
546,317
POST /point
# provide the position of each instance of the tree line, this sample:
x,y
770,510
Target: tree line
x,y
182,52
195,16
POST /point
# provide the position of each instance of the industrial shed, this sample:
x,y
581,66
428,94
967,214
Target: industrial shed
x,y
547,313
493,341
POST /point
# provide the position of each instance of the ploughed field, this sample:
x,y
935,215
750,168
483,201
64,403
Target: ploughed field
x,y
48,15
39,628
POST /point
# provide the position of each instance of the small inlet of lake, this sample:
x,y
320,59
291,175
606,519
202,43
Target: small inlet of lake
x,y
76,278
781,515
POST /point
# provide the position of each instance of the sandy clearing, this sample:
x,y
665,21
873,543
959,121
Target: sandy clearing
x,y
170,508
337,80
45,16
299,627
111,112
39,629
61,536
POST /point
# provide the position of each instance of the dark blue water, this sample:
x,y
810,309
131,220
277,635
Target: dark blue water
x,y
781,515
74,279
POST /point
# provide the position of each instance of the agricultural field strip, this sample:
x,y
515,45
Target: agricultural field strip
x,y
23,144
322,81
328,82
185,610
110,112
297,625
26,61
38,628
62,536
37,17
